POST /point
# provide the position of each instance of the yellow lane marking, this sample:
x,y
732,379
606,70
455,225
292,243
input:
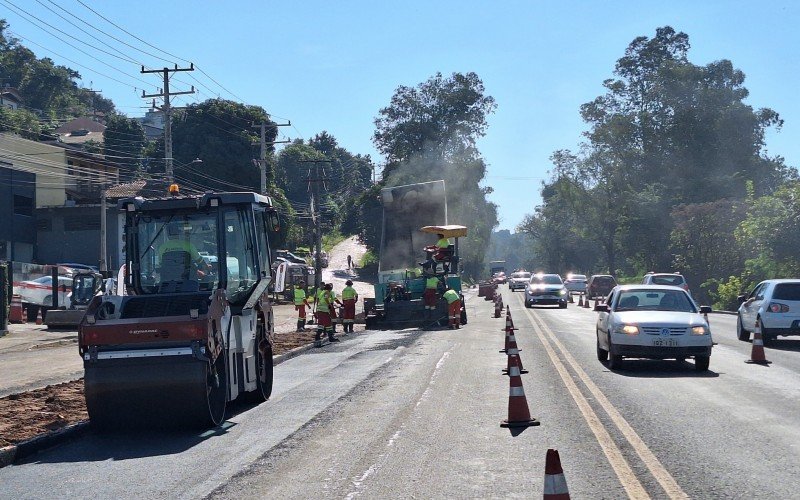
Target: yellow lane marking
x,y
652,463
621,467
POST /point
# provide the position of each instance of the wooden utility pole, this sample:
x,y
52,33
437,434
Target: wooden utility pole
x,y
167,110
262,162
313,190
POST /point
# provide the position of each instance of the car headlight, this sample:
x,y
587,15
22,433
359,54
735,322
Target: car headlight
x,y
628,329
700,330
563,291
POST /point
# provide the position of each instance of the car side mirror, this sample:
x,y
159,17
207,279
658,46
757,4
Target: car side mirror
x,y
741,298
601,308
705,309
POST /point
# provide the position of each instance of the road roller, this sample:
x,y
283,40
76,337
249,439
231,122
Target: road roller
x,y
194,329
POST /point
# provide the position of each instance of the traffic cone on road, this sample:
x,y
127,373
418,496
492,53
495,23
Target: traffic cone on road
x,y
757,356
570,299
580,300
39,316
555,484
518,413
509,336
586,304
513,351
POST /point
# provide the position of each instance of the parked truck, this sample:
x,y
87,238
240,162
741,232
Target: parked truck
x,y
192,333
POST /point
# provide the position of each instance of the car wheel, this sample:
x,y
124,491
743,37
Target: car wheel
x,y
701,363
527,304
741,333
48,301
562,306
602,354
615,361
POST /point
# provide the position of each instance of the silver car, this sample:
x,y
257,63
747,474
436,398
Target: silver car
x,y
576,283
546,289
518,280
776,304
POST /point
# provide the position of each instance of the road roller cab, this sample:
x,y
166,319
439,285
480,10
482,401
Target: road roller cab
x,y
194,329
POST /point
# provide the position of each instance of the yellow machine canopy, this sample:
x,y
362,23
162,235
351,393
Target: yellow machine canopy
x,y
448,231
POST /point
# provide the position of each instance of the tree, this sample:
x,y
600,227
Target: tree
x,y
429,132
220,133
124,141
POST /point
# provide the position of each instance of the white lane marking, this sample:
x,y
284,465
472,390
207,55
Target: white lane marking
x,y
656,468
622,469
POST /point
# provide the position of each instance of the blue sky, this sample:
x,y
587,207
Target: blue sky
x,y
332,65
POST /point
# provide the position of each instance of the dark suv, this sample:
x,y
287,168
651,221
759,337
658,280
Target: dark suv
x,y
600,285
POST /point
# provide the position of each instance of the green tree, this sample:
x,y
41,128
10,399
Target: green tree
x,y
124,141
429,132
220,133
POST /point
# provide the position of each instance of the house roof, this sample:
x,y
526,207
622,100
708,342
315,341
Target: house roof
x,y
150,188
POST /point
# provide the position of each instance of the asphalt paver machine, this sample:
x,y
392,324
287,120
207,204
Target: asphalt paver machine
x,y
406,264
195,328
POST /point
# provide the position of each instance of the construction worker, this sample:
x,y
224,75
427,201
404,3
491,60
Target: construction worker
x,y
324,324
333,301
453,308
442,247
178,241
349,298
300,303
429,296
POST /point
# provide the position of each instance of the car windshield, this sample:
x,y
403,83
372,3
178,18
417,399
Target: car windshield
x,y
667,279
577,277
521,275
654,300
787,291
546,279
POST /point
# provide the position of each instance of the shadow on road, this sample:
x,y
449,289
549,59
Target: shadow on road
x,y
783,345
668,368
98,445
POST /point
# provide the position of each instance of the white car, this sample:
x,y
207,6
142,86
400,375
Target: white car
x,y
671,279
576,283
40,291
655,322
776,303
518,280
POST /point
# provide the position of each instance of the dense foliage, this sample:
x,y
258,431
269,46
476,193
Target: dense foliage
x,y
662,181
428,132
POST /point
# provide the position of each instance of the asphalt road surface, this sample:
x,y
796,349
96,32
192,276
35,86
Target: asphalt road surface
x,y
416,414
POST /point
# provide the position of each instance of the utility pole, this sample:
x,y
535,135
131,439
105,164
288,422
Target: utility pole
x,y
262,162
103,232
167,110
315,215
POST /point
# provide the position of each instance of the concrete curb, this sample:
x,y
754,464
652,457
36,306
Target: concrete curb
x,y
10,454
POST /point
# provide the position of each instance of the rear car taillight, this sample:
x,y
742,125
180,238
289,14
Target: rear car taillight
x,y
776,307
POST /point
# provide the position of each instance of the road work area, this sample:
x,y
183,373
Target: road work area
x,y
411,413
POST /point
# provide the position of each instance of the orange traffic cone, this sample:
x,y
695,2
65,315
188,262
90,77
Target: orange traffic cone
x,y
518,413
498,308
586,303
39,316
509,335
580,300
555,484
512,350
757,356
570,299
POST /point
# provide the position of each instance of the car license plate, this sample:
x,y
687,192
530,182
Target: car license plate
x,y
665,342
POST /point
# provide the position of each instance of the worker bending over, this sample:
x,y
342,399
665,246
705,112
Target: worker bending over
x,y
324,323
453,308
349,298
300,303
